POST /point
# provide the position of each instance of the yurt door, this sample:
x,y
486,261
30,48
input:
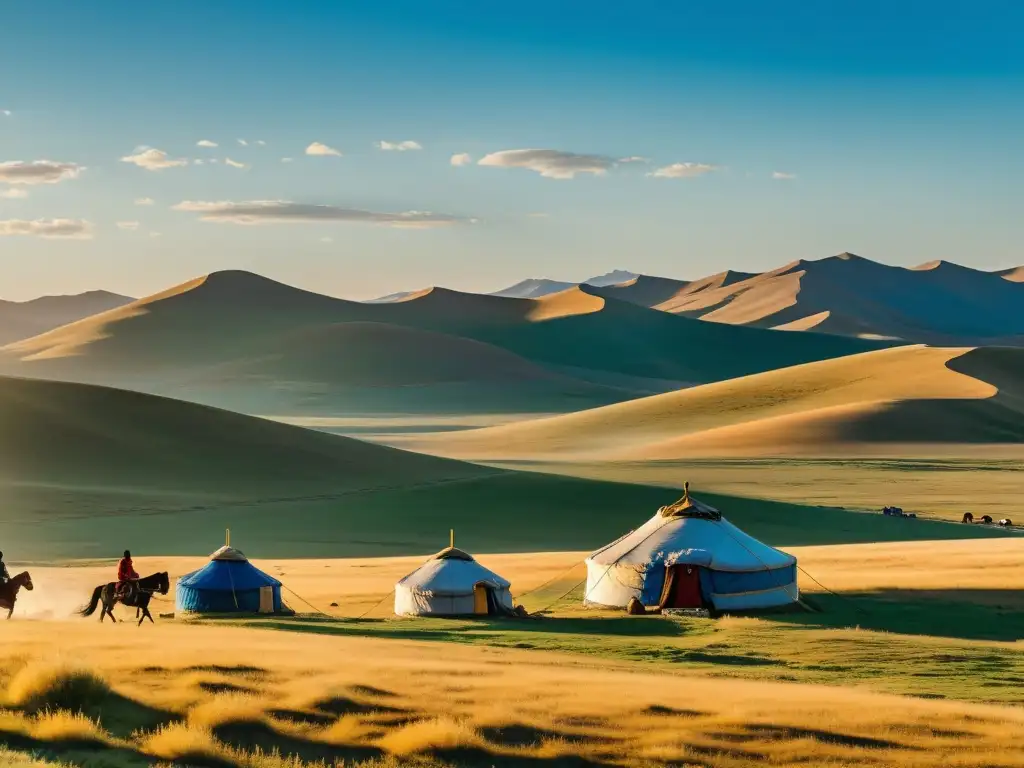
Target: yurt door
x,y
266,599
682,587
480,599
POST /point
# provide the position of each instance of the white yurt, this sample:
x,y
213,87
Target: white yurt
x,y
452,583
689,556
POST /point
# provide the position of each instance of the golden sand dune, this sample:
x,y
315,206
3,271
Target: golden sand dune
x,y
567,303
908,394
1014,274
938,302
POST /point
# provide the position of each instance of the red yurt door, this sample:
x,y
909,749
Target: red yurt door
x,y
682,584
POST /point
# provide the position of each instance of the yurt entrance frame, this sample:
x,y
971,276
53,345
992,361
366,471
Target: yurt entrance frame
x,y
484,601
681,588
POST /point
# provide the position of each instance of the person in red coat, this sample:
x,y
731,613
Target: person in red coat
x,y
126,575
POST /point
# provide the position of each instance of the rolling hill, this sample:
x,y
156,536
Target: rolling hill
x,y
936,303
87,471
858,404
226,323
536,287
24,319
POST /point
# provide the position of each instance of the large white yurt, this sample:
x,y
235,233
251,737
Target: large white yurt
x,y
452,583
689,556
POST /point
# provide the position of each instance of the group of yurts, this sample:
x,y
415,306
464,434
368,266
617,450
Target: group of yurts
x,y
685,557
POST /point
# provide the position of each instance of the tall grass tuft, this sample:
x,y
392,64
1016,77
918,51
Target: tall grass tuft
x,y
39,687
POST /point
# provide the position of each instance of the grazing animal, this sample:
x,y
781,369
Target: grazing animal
x,y
138,598
986,519
968,518
9,591
1006,522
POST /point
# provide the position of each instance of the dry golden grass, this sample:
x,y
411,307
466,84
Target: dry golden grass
x,y
471,706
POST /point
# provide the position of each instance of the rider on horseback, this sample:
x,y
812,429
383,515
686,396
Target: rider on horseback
x,y
4,575
126,576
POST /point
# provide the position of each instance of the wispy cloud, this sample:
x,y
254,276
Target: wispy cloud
x,y
198,161
283,211
286,159
128,226
206,143
52,229
261,143
144,201
38,172
318,149
462,158
400,146
683,171
783,176
549,163
233,164
634,159
153,159
6,112
155,234
243,142
326,239
13,193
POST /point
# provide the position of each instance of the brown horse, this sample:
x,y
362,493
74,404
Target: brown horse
x,y
9,591
137,597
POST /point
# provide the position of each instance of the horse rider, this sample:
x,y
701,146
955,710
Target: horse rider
x,y
126,576
4,575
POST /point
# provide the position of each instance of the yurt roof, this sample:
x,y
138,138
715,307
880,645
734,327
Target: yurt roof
x,y
689,507
453,553
451,575
229,553
228,575
711,541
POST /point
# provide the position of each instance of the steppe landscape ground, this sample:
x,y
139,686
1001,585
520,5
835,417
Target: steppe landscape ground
x,y
341,441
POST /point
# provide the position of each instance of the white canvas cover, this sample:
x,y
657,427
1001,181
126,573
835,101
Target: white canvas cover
x,y
616,573
443,586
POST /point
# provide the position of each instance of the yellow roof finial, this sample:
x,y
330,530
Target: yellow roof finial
x,y
227,537
451,537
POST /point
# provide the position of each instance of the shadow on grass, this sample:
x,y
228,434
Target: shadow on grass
x,y
961,613
252,736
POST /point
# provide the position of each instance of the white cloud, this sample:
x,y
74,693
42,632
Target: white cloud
x,y
283,211
401,146
462,158
683,171
286,159
243,142
144,201
634,159
782,175
128,226
12,193
213,161
197,161
261,143
316,148
153,159
549,163
233,164
326,239
206,143
70,229
37,172
5,112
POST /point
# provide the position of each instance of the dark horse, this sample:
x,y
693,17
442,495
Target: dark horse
x,y
138,597
9,591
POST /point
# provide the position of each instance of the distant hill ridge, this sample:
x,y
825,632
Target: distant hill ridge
x,y
237,321
24,319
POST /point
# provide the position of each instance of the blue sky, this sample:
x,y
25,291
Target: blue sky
x,y
902,129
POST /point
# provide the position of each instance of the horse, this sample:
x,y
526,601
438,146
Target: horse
x,y
9,591
137,598
968,518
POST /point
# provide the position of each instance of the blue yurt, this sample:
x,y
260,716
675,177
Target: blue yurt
x,y
229,583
